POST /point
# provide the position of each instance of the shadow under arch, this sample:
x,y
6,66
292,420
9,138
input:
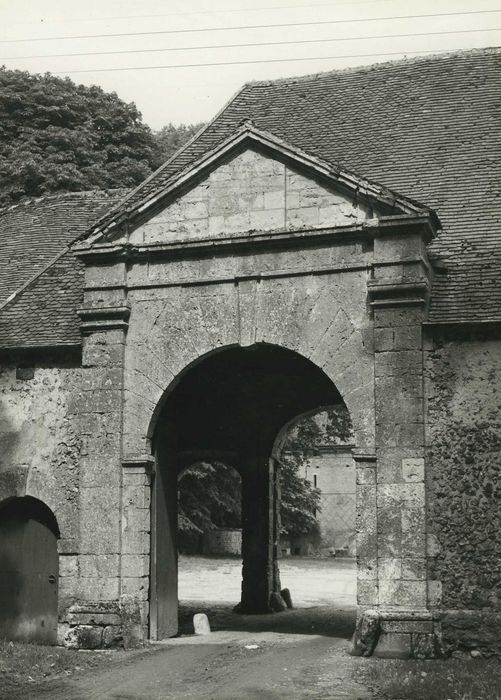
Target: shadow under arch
x,y
29,570
29,508
177,379
229,405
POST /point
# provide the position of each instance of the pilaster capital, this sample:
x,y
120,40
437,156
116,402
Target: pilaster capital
x,y
143,464
398,292
103,318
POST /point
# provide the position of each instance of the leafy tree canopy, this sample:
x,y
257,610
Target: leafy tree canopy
x,y
56,136
170,138
208,497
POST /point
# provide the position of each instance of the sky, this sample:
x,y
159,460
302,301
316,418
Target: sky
x,y
144,50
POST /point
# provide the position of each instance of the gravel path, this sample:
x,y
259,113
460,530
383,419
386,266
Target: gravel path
x,y
312,582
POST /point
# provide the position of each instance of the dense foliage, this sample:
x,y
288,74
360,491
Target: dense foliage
x,y
208,497
170,138
56,136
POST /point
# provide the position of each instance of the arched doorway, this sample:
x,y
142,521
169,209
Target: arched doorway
x,y
230,405
29,571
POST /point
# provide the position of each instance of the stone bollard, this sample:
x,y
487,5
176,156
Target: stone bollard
x,y
286,595
201,624
366,635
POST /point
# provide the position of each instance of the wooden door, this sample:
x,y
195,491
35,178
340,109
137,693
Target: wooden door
x,y
29,575
275,524
164,597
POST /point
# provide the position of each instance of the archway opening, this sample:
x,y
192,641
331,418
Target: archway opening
x,y
318,509
230,408
29,571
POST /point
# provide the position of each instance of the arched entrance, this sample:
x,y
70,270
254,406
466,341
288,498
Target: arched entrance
x,y
29,571
231,405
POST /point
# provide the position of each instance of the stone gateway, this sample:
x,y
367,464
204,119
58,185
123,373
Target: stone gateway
x,y
327,240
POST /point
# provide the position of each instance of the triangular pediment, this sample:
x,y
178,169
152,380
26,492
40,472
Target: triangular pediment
x,y
252,182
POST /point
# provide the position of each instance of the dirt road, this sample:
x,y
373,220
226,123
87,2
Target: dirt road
x,y
301,653
222,666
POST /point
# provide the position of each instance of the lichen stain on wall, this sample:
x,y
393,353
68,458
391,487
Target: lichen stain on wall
x,y
464,464
39,440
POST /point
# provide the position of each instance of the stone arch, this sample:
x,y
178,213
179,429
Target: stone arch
x,y
315,321
235,400
29,570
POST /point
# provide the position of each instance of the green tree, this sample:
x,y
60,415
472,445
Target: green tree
x,y
58,136
209,496
170,138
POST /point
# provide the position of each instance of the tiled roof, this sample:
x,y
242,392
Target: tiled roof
x,y
35,265
33,233
428,128
44,313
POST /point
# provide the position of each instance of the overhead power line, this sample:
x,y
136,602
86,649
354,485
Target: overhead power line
x,y
232,10
241,63
253,44
254,26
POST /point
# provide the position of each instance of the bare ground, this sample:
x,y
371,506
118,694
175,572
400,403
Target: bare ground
x,y
225,666
297,654
300,653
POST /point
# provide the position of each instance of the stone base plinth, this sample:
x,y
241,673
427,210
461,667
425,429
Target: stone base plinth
x,y
103,625
398,634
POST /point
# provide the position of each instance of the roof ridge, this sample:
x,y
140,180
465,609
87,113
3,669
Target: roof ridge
x,y
366,67
54,196
247,129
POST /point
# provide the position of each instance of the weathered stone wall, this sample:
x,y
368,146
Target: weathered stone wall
x,y
322,318
223,541
251,192
334,473
40,449
51,416
463,379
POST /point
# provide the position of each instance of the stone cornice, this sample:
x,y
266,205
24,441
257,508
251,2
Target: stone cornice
x,y
365,457
398,225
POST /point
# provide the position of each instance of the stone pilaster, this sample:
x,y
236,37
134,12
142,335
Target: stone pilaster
x,y
366,530
398,294
135,532
104,317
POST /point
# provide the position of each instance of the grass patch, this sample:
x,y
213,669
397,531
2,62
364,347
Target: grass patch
x,y
29,664
441,679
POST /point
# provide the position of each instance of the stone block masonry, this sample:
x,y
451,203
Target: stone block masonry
x,y
251,192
